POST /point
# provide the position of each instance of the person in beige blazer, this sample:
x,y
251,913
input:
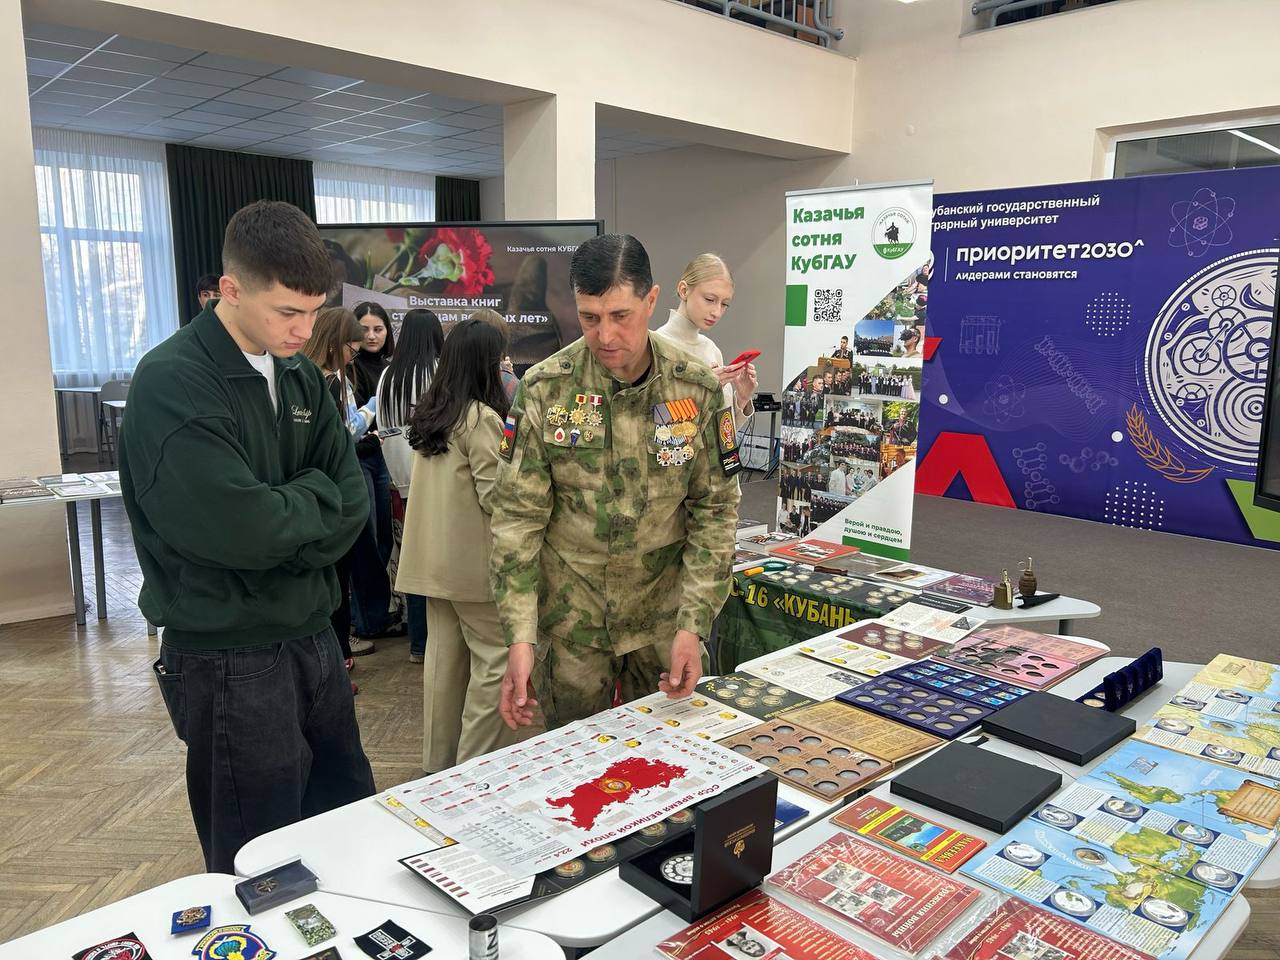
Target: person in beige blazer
x,y
455,431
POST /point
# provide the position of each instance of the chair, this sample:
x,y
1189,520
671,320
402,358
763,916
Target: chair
x,y
111,390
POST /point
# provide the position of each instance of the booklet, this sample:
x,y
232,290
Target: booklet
x,y
909,833
1016,930
894,900
757,925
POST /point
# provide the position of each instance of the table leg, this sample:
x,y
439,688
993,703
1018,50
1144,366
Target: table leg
x,y
99,568
77,575
61,399
151,628
1064,627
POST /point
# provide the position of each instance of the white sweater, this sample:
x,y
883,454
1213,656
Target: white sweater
x,y
685,334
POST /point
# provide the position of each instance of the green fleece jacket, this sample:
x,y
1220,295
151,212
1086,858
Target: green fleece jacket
x,y
238,511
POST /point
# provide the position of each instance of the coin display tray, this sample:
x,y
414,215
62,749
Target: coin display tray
x,y
873,596
953,681
806,760
901,643
943,715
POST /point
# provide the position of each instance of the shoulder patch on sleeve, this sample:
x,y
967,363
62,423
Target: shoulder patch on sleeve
x,y
507,448
727,443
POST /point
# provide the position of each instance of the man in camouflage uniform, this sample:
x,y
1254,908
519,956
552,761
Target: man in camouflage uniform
x,y
613,527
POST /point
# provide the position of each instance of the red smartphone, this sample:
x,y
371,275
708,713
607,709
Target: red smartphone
x,y
746,356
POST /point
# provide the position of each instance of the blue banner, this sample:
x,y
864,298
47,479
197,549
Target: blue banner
x,y
1101,350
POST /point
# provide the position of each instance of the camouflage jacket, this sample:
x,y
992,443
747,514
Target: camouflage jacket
x,y
615,517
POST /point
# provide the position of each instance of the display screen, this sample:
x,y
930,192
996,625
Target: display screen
x,y
520,270
1267,491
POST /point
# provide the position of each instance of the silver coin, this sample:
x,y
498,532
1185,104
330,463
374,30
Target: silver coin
x,y
678,869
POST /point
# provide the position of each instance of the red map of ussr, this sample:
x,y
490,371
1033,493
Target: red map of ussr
x,y
618,784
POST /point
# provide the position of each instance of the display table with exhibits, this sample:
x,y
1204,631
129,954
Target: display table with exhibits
x,y
124,929
771,608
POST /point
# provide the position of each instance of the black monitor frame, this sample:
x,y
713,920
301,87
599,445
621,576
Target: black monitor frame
x,y
1268,444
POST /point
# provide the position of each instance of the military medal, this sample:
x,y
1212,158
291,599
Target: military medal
x,y
559,434
588,435
673,429
595,418
574,434
191,919
557,415
579,416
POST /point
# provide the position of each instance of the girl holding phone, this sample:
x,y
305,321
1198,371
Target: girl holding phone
x,y
705,289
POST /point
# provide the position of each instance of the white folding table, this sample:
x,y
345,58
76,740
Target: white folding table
x,y
147,916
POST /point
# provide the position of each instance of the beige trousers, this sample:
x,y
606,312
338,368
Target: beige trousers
x,y
461,683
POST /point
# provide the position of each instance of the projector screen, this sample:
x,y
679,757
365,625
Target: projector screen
x,y
519,269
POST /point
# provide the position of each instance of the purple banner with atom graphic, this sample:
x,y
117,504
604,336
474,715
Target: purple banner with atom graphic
x,y
1103,349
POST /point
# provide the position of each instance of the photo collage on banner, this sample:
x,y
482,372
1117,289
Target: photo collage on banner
x,y
857,302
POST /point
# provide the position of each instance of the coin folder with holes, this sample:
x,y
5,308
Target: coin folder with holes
x,y
978,786
1060,727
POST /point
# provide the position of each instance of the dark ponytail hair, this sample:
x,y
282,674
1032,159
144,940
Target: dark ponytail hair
x,y
468,371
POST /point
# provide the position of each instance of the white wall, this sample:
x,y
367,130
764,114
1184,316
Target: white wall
x,y
1018,105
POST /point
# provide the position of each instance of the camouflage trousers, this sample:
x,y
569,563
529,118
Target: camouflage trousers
x,y
572,681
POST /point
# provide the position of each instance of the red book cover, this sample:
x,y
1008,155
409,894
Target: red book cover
x,y
1016,930
812,551
909,833
884,895
756,925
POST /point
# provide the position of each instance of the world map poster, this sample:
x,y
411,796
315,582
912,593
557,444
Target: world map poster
x,y
1138,904
540,803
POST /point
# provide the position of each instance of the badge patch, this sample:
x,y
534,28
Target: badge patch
x,y
390,941
124,947
507,448
234,940
191,919
312,925
727,440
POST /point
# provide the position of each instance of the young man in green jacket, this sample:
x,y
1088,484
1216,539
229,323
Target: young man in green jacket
x,y
243,489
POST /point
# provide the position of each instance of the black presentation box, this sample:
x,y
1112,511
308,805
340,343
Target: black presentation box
x,y
1059,727
732,848
278,885
977,785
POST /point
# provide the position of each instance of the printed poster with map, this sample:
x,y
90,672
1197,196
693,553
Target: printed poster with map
x,y
540,803
1226,726
1166,809
1135,903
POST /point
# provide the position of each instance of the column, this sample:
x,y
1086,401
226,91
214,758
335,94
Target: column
x,y
549,146
34,570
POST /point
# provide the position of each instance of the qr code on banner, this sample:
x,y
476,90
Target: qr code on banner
x,y
827,305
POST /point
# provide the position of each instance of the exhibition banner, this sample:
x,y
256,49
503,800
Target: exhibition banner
x,y
1103,350
519,269
857,280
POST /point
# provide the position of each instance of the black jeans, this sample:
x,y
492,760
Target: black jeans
x,y
271,737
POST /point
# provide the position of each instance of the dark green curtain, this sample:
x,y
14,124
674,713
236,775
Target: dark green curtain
x,y
206,187
457,201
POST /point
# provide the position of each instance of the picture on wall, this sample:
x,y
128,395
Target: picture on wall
x,y
521,270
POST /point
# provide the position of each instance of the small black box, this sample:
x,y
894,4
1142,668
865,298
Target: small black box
x,y
728,852
982,787
1059,727
289,881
